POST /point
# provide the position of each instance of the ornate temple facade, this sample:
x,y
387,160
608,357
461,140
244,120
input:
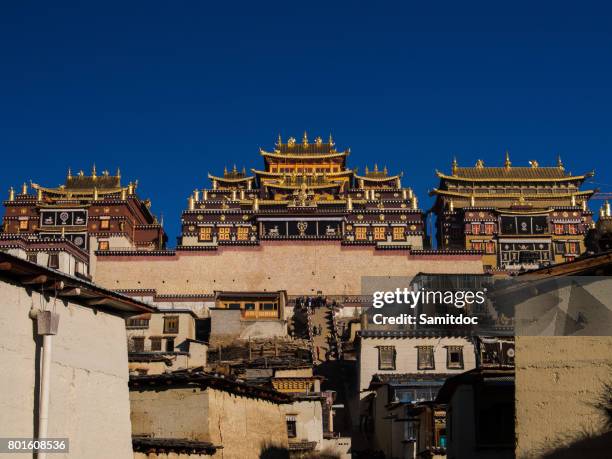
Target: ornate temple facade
x,y
93,212
304,191
518,217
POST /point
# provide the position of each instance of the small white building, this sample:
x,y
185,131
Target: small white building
x,y
64,359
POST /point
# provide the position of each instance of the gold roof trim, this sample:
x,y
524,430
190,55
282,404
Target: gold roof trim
x,y
231,180
298,186
501,174
343,173
511,195
78,191
379,179
279,155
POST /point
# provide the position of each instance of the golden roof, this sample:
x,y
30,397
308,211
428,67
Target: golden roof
x,y
295,149
508,173
82,181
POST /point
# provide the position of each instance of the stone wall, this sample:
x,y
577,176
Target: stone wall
x,y
89,401
242,425
559,380
300,268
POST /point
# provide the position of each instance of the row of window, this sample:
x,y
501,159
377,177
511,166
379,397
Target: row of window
x,y
138,344
171,324
425,357
485,246
379,233
558,228
223,233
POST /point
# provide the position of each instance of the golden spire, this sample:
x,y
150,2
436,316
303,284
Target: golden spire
x,y
69,176
118,173
367,171
375,167
24,189
319,141
560,163
93,171
454,165
385,170
279,142
224,170
11,194
479,164
507,163
243,170
305,139
331,140
234,170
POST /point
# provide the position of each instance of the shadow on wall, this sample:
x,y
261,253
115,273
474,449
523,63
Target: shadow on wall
x,y
589,445
278,452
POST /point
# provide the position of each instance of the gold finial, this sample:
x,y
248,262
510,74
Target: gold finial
x,y
367,171
11,194
375,167
479,164
534,164
560,163
224,170
305,139
331,140
454,165
161,222
118,174
279,141
319,141
244,171
385,170
93,171
234,170
69,175
105,173
291,142
24,189
607,205
507,163
81,173
130,189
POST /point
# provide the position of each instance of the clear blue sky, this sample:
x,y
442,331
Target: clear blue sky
x,y
171,90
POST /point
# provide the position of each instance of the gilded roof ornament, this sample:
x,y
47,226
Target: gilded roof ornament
x,y
480,164
331,140
319,141
560,163
507,163
69,175
291,142
279,141
11,194
534,164
24,188
305,139
93,171
454,166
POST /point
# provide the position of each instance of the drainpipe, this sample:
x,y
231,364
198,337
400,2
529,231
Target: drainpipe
x,y
47,323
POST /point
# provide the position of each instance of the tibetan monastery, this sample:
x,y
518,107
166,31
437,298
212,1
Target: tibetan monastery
x,y
93,212
519,217
304,191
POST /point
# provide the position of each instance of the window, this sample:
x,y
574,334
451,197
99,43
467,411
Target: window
x,y
53,261
249,306
103,245
224,233
169,344
490,247
572,247
23,224
559,228
425,358
398,233
291,427
379,233
156,344
489,228
572,229
560,247
361,233
475,228
32,257
105,224
454,357
386,357
243,233
205,233
268,306
476,245
171,324
138,344
137,323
